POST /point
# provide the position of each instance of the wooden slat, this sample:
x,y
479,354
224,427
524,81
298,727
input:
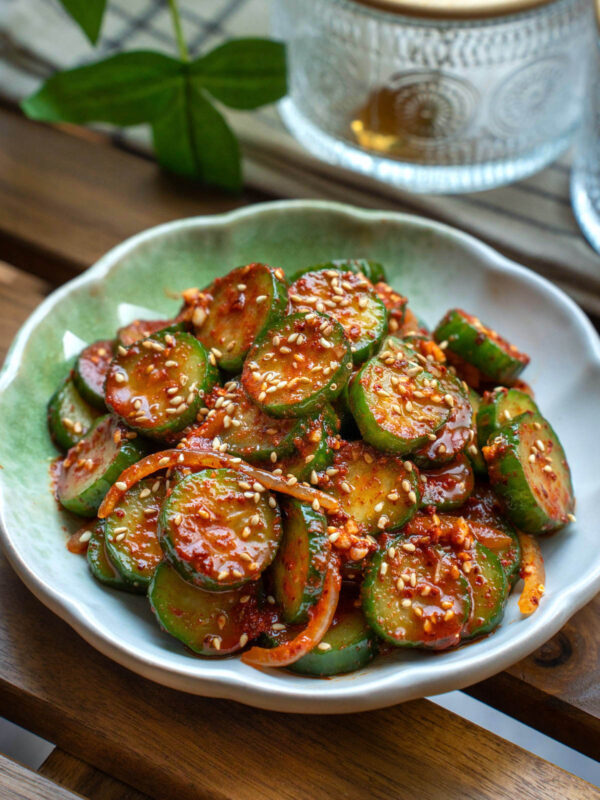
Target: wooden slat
x,y
66,200
20,293
169,744
19,783
77,776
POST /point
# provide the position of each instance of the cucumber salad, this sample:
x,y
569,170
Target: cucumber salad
x,y
299,471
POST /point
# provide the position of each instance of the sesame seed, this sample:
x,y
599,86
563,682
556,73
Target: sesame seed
x,y
171,363
571,517
378,508
406,603
409,547
292,480
241,287
537,426
243,640
346,487
223,575
316,506
178,519
278,626
155,487
399,584
406,485
333,537
216,642
324,646
540,445
120,537
382,522
85,537
120,377
408,466
261,298
272,502
244,599
121,486
383,568
163,461
121,529
412,497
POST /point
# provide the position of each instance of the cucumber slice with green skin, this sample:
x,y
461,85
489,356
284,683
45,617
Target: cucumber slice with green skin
x,y
348,645
100,564
484,507
208,623
242,306
313,447
456,433
248,432
449,486
130,532
349,299
489,591
90,372
397,404
480,346
429,614
215,533
298,572
69,416
499,407
142,328
156,386
95,463
528,469
395,304
372,270
314,341
473,449
378,491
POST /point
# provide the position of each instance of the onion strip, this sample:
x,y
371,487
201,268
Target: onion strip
x,y
201,459
321,616
532,572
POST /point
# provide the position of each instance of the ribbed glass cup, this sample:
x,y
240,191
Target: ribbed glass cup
x,y
434,105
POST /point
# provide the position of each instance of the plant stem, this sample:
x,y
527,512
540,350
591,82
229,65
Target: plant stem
x,y
181,45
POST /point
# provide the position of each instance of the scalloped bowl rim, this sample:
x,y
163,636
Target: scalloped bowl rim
x,y
251,688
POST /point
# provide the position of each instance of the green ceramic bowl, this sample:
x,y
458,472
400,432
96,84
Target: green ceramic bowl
x,y
437,267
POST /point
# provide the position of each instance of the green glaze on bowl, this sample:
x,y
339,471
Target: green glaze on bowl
x,y
437,267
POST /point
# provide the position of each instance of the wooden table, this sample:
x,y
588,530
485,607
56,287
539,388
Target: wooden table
x,y
64,200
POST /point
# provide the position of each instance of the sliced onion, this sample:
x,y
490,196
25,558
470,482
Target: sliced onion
x,y
321,616
532,572
489,536
201,459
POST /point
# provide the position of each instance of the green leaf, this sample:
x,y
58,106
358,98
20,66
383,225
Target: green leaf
x,y
87,14
192,138
126,89
243,73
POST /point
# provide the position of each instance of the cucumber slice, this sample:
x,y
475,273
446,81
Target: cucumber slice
x,y
378,491
299,569
142,328
247,431
130,532
100,564
499,407
348,645
94,464
449,486
242,306
489,591
156,386
69,416
313,447
429,614
473,449
397,404
218,530
208,623
395,304
528,469
480,346
349,299
484,507
90,372
372,270
456,433
275,384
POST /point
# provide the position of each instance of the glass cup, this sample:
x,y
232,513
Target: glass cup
x,y
585,176
434,103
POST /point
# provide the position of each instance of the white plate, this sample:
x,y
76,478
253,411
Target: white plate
x,y
437,267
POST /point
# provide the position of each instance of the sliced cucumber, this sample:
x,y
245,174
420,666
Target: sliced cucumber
x,y
218,529
456,433
69,416
100,564
156,385
397,404
349,299
499,407
395,304
348,645
242,305
528,469
449,486
378,491
90,372
130,532
313,446
94,464
275,382
142,328
300,566
473,449
372,270
480,346
208,623
432,612
247,431
489,591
